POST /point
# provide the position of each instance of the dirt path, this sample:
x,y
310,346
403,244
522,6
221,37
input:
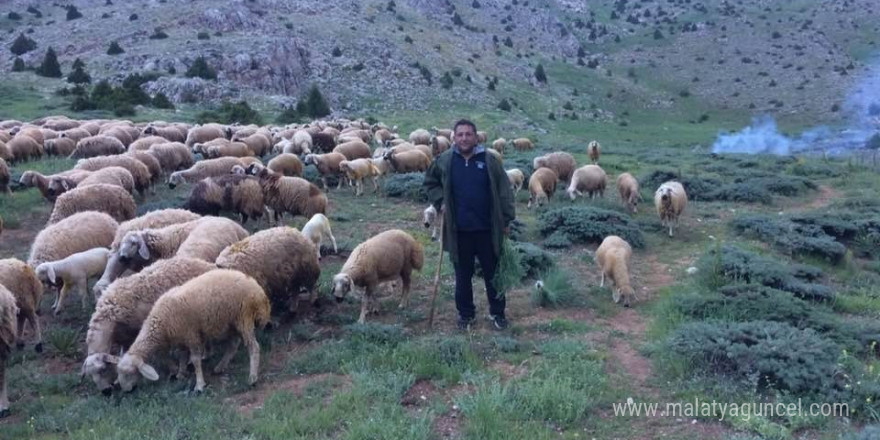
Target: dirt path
x,y
827,194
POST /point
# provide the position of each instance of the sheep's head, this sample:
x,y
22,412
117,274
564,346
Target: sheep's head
x,y
46,274
150,130
58,186
539,162
537,199
625,293
97,366
132,246
253,169
175,179
572,193
27,178
130,368
341,286
311,159
665,193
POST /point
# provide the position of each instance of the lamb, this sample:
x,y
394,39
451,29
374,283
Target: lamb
x,y
110,199
111,176
670,199
258,143
317,229
124,306
382,258
628,188
542,185
170,134
21,280
203,169
79,232
172,156
204,133
420,136
358,170
562,163
144,143
138,170
516,178
75,134
594,150
281,260
353,150
4,177
204,309
327,165
232,149
439,144
291,194
323,142
286,164
430,220
23,148
523,144
499,144
152,220
408,161
72,273
233,192
590,179
8,334
59,147
613,258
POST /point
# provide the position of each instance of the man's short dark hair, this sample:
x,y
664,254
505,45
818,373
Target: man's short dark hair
x,y
464,122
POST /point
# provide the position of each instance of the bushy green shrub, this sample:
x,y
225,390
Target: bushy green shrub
x,y
793,238
816,170
201,69
738,192
697,188
230,113
557,240
584,224
534,260
408,185
22,45
778,355
115,49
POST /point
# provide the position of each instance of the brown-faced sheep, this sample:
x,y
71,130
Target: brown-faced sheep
x,y
138,170
202,169
594,150
439,144
358,170
42,183
170,134
281,259
204,309
75,134
172,156
590,179
8,332
499,144
516,178
562,163
317,229
613,258
27,290
408,161
60,147
72,273
670,199
628,188
291,194
110,199
4,177
23,148
327,165
285,164
542,185
124,306
420,136
353,150
384,257
79,232
523,144
238,193
203,134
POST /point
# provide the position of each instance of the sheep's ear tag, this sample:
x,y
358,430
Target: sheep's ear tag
x,y
148,372
50,272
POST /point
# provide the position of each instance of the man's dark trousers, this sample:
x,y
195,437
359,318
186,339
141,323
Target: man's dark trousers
x,y
479,245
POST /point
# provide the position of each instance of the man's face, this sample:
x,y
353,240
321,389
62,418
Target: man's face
x,y
465,138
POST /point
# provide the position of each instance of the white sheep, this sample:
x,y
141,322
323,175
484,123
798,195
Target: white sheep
x,y
593,151
359,169
73,273
384,257
613,258
317,229
202,310
27,290
590,179
628,188
110,199
420,136
429,216
139,171
79,232
516,178
670,199
542,186
8,335
101,145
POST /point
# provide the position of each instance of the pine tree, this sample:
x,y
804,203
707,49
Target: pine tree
x,y
162,101
316,104
50,67
73,13
78,64
201,69
114,49
539,74
22,45
79,76
18,65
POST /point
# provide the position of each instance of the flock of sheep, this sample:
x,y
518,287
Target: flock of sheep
x,y
173,280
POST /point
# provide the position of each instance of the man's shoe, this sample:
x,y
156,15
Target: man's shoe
x,y
465,323
499,322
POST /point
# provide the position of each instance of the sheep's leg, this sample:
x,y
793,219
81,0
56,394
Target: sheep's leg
x,y
64,290
4,399
333,240
231,349
82,288
375,184
250,341
339,181
19,337
195,356
406,279
602,283
359,188
35,324
368,293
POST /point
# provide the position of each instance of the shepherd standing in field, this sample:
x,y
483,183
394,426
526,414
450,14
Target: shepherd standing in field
x,y
469,188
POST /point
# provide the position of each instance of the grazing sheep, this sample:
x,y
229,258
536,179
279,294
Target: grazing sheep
x,y
317,229
523,144
381,136
203,169
499,144
281,259
34,179
358,170
32,132
590,179
542,185
628,188
204,309
353,150
111,199
323,142
408,161
562,163
21,280
144,143
138,170
286,164
124,306
5,154
170,134
4,177
439,144
430,220
111,176
79,232
258,143
204,133
594,150
301,143
210,237
516,178
23,148
152,165
382,166
250,160
60,123
327,165
60,147
141,248
613,258
359,134
400,148
8,334
670,199
238,193
420,136
231,149
72,273
119,133
172,156
75,134
291,194
384,257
